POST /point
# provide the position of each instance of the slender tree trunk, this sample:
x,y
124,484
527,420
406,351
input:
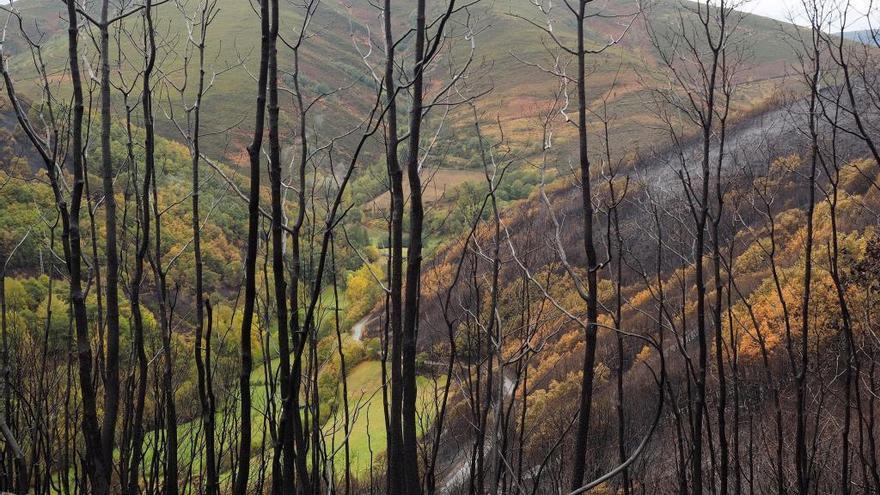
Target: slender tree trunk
x,y
143,238
701,217
618,320
803,474
300,333
98,470
412,482
244,450
395,474
211,489
111,378
588,372
211,486
717,313
285,447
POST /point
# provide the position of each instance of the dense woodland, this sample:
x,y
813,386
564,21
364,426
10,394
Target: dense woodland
x,y
479,246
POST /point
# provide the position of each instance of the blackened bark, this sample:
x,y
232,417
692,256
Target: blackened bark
x,y
98,470
244,448
285,448
586,394
717,308
614,219
300,335
111,376
209,393
412,483
211,486
170,466
143,205
394,475
801,460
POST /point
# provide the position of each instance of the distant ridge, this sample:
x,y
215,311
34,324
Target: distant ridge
x,y
865,36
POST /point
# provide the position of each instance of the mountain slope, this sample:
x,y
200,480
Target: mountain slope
x,y
507,53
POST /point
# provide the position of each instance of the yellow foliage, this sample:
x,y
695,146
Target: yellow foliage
x,y
753,257
643,355
362,291
641,298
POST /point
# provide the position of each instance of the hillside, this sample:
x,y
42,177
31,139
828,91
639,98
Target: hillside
x,y
765,158
505,64
489,272
514,92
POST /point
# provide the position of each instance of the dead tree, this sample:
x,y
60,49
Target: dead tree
x,y
588,288
48,146
696,59
242,475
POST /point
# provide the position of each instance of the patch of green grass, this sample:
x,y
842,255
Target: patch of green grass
x,y
367,436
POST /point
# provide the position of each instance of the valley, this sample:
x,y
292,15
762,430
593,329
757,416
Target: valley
x,y
494,246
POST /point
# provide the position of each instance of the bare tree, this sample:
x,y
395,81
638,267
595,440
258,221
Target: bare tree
x,y
69,210
698,65
242,475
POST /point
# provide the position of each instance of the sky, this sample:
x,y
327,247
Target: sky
x,y
788,10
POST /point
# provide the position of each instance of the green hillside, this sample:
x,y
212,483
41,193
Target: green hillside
x,y
506,55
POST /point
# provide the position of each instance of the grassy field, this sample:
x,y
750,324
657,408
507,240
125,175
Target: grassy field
x,y
367,437
434,185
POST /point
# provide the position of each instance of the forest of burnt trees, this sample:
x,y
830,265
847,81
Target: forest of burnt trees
x,y
193,300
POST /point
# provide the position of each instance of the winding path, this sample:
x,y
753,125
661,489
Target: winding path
x,y
357,330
